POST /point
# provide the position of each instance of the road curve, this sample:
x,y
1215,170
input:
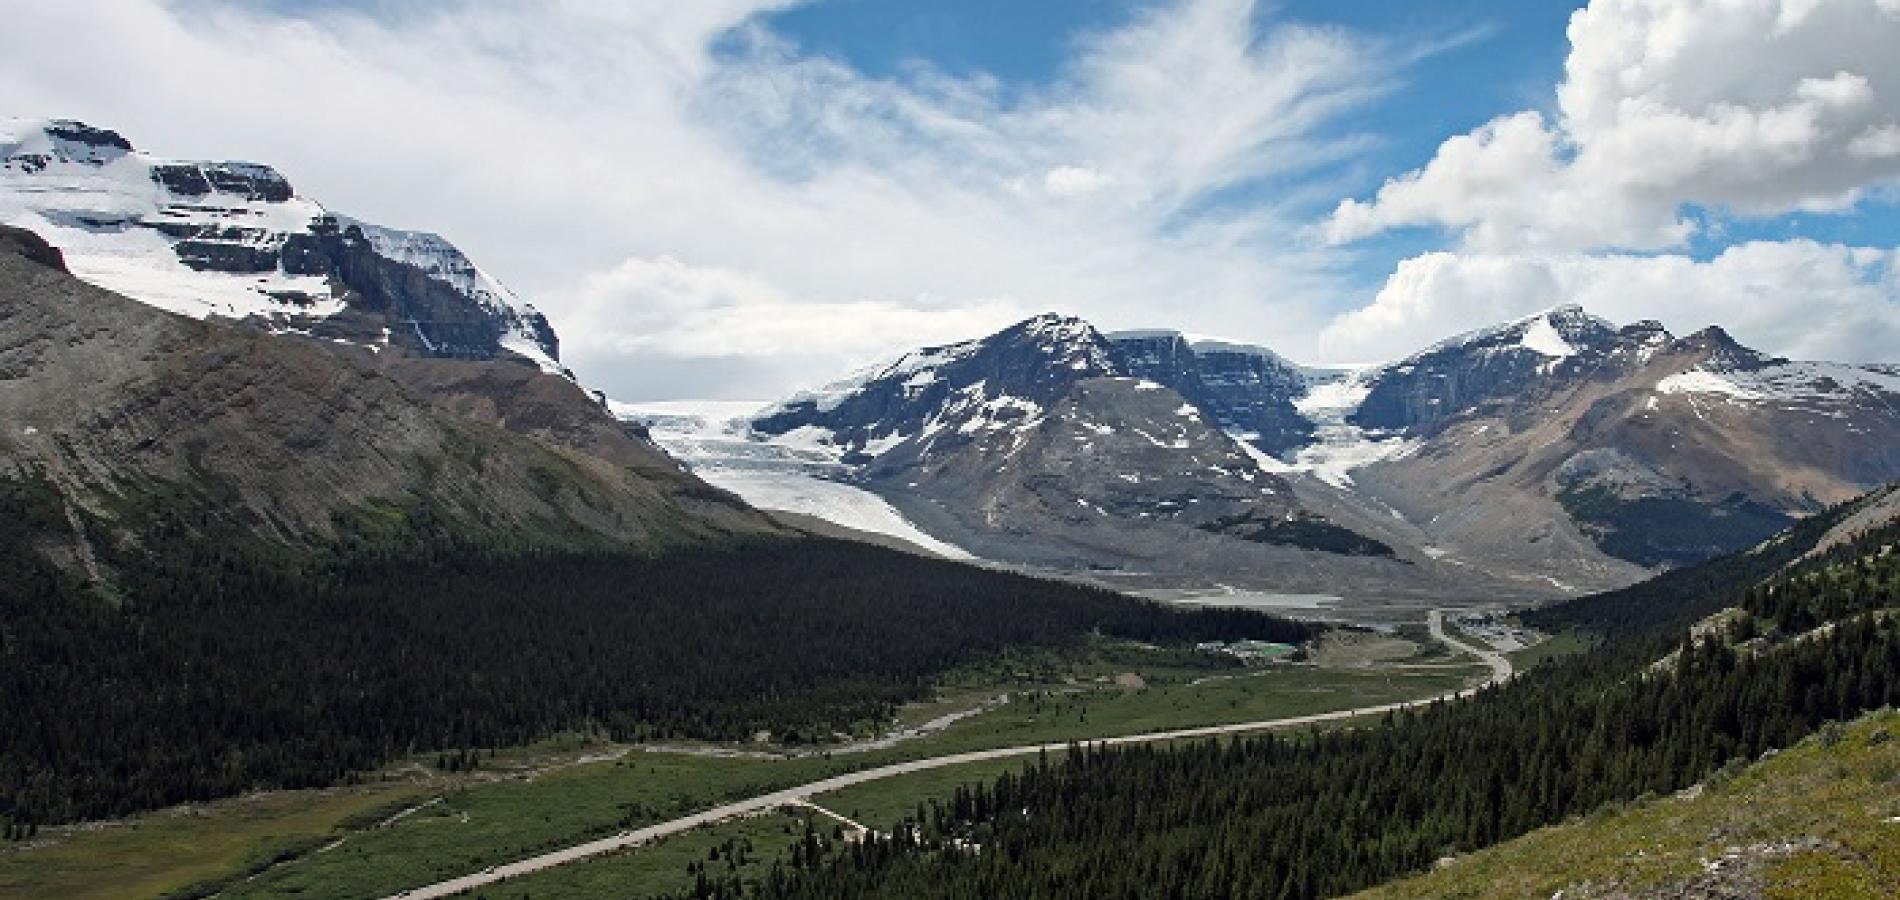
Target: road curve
x,y
1500,672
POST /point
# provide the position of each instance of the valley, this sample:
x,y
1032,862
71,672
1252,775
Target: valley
x,y
569,791
330,569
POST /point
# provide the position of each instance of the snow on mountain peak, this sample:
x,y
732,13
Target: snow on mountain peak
x,y
234,240
60,140
1557,332
1543,337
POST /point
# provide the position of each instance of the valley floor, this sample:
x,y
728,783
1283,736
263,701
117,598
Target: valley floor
x,y
413,824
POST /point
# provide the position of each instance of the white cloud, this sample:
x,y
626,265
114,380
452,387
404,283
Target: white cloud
x,y
1748,107
1068,181
557,142
1798,298
666,308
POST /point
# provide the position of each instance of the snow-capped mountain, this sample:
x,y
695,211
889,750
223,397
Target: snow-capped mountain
x,y
153,423
933,401
1050,386
234,240
1049,443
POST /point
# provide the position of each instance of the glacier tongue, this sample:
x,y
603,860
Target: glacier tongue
x,y
1339,446
713,437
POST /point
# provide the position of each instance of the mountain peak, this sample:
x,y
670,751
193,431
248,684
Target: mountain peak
x,y
1055,328
1558,332
78,132
1724,352
34,144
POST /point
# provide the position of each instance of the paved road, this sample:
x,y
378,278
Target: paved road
x,y
1500,666
1500,671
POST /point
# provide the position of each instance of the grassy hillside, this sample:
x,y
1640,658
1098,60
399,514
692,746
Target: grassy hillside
x,y
1821,820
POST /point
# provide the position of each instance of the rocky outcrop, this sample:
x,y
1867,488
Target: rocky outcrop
x,y
1248,391
31,247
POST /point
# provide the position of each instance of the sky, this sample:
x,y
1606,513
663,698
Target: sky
x,y
740,198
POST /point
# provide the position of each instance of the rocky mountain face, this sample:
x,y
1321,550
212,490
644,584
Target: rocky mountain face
x,y
151,427
1509,365
1621,447
234,240
934,402
1248,391
1039,419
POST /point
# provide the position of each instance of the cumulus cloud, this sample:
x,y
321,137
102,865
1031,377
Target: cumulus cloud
x,y
1671,114
811,209
1798,298
1738,107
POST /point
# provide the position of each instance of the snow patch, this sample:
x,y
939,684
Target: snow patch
x,y
1787,383
1542,337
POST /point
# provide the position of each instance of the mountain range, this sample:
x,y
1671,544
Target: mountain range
x,y
1552,455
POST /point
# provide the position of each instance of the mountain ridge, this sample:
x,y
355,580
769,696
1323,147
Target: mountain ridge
x,y
143,422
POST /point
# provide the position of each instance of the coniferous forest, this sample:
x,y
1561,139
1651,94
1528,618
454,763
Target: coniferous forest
x,y
207,671
1328,813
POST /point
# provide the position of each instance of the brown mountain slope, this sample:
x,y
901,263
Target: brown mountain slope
x,y
1663,451
134,414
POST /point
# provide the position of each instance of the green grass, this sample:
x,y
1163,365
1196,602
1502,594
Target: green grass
x,y
1556,646
1172,701
1839,790
1090,711
483,825
158,854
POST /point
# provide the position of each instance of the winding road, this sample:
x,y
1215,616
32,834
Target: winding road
x,y
802,794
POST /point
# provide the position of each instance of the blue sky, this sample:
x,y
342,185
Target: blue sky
x,y
1503,56
1487,58
739,198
